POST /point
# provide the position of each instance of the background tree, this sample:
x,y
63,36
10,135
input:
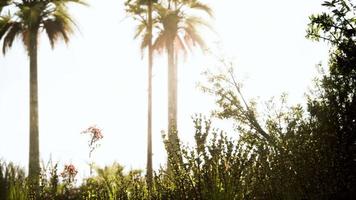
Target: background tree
x,y
333,110
178,31
174,30
137,10
314,148
26,19
149,112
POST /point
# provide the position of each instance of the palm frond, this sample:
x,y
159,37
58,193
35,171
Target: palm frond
x,y
195,4
62,12
193,37
15,29
64,2
160,42
59,27
139,29
195,21
161,11
181,45
144,43
5,23
26,39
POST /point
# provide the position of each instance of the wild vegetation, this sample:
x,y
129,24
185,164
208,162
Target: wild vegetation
x,y
286,152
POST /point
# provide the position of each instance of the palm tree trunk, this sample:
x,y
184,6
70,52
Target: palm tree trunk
x,y
149,106
172,92
173,140
34,161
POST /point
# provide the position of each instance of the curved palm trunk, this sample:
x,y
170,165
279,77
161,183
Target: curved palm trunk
x,y
34,161
149,106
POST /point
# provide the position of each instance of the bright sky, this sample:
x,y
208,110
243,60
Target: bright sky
x,y
100,78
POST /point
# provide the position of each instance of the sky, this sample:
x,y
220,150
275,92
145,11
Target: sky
x,y
100,79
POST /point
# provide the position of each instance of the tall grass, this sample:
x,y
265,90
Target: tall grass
x,y
12,182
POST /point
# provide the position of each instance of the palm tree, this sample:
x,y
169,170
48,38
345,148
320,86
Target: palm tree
x,y
26,19
178,31
138,12
149,106
175,30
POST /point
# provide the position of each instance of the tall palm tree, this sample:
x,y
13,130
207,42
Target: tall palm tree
x,y
175,29
26,19
149,106
138,11
178,31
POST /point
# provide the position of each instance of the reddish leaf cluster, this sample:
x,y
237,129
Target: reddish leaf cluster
x,y
95,133
69,171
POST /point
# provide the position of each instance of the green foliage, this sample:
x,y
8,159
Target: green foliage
x,y
275,144
112,183
337,25
49,181
12,182
212,169
333,105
